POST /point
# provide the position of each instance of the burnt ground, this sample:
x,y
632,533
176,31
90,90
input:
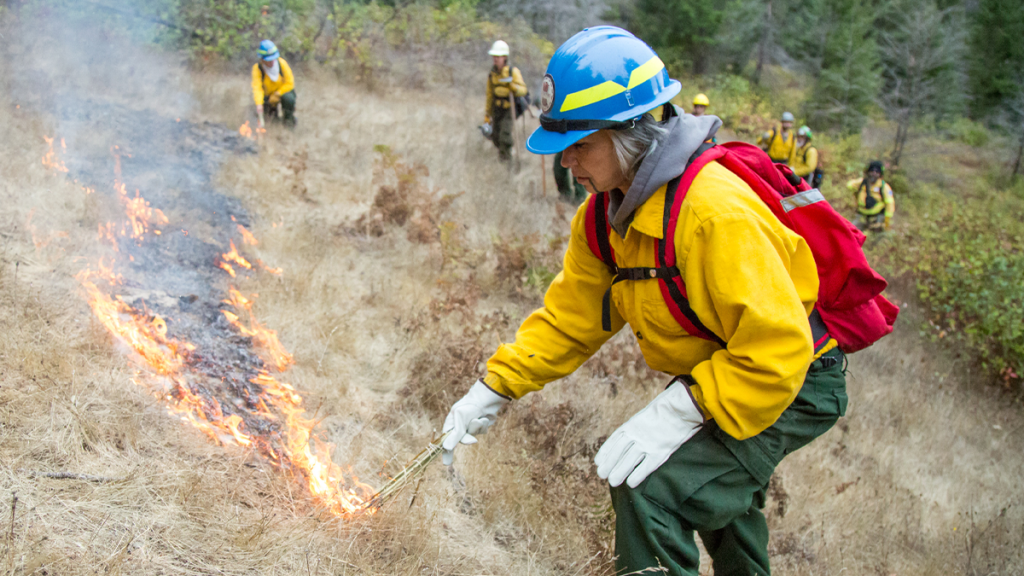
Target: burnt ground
x,y
171,163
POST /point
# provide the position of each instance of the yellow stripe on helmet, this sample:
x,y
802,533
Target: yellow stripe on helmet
x,y
605,90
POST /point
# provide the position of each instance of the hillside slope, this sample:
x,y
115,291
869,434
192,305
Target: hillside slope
x,y
389,318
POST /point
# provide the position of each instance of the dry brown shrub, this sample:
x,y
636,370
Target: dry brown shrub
x,y
514,255
404,199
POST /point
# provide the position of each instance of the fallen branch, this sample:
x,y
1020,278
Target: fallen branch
x,y
69,476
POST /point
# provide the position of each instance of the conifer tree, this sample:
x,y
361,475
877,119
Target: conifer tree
x,y
996,54
682,31
849,78
920,65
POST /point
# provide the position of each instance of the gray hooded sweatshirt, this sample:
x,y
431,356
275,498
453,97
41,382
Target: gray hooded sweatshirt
x,y
665,161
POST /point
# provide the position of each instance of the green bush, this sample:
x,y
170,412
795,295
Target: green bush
x,y
733,99
965,256
969,132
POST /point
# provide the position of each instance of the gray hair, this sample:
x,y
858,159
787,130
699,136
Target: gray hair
x,y
634,144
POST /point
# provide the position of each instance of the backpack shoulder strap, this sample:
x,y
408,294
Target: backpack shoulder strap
x,y
598,228
675,193
673,289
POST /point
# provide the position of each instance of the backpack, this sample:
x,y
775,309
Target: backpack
x,y
850,307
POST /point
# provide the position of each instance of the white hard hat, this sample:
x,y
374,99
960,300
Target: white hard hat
x,y
788,117
499,48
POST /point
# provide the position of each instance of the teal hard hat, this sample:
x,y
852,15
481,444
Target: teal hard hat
x,y
805,132
268,51
601,78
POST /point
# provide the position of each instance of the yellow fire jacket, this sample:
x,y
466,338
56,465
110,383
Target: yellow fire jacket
x,y
880,195
263,86
749,279
497,91
804,160
780,147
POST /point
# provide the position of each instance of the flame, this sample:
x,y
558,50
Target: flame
x,y
176,369
234,256
247,131
266,340
50,159
247,236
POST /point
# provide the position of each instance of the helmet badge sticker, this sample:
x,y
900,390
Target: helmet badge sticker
x,y
547,93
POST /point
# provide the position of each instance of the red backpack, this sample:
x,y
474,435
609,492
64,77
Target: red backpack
x,y
850,305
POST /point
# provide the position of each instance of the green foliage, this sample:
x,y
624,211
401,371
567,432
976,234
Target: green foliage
x,y
997,54
684,32
968,131
964,253
849,80
231,29
733,99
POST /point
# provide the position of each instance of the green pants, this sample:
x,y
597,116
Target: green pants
x,y
715,485
501,132
287,108
865,222
570,190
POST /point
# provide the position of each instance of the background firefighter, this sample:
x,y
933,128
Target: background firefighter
x,y
804,160
779,142
749,385
501,80
273,83
875,203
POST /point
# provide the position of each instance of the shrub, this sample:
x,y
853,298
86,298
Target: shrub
x,y
964,254
968,131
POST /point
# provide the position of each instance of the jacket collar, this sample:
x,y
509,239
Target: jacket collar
x,y
648,218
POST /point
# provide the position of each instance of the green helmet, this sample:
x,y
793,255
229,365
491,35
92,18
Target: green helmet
x,y
805,132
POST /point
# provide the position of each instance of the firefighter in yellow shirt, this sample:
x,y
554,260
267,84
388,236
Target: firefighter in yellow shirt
x,y
273,83
748,383
804,161
502,80
779,141
875,203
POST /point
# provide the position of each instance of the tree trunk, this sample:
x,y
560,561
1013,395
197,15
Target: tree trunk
x,y
1020,153
763,44
902,129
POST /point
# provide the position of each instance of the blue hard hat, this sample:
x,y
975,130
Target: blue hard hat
x,y
268,51
601,78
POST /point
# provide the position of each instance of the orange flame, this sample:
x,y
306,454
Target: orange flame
x,y
293,446
50,159
247,236
245,130
273,352
234,256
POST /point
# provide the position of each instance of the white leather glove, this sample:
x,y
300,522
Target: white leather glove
x,y
473,414
647,439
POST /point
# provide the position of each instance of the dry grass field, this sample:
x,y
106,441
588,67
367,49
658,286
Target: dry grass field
x,y
403,267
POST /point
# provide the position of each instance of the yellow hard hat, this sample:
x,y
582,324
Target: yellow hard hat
x,y
701,100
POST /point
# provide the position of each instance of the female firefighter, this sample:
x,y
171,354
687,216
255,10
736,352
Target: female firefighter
x,y
273,83
748,383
